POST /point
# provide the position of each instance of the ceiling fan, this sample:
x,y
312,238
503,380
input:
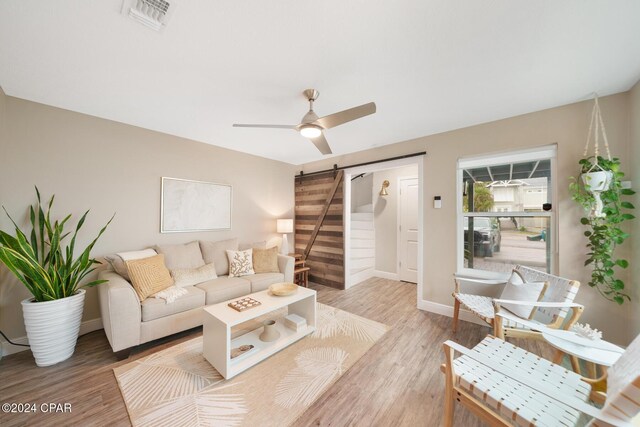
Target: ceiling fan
x,y
312,126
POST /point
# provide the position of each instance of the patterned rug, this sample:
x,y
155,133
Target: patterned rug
x,y
178,387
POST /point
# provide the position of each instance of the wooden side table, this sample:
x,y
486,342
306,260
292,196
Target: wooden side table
x,y
300,272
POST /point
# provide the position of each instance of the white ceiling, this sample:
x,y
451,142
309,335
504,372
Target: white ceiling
x,y
430,66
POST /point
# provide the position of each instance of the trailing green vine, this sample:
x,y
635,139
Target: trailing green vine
x,y
605,233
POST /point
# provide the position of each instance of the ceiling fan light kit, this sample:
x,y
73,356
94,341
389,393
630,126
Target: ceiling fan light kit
x,y
310,131
311,126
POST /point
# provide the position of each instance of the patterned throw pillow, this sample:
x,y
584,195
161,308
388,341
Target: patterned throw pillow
x,y
240,263
149,275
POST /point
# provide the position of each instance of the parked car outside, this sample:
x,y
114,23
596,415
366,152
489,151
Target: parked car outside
x,y
486,235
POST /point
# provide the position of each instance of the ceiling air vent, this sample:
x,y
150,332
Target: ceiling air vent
x,y
154,14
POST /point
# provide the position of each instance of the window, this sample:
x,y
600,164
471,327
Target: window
x,y
502,221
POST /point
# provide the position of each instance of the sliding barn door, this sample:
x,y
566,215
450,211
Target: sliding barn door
x,y
320,227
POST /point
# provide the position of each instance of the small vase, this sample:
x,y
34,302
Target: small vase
x,y
270,332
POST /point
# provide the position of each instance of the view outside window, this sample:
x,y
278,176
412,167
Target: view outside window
x,y
504,220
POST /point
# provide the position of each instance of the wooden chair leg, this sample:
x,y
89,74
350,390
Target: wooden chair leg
x,y
449,396
456,312
575,364
557,358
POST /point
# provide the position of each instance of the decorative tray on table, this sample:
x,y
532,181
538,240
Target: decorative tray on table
x,y
244,304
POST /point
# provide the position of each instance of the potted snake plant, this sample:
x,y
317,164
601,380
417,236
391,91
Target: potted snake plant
x,y
53,276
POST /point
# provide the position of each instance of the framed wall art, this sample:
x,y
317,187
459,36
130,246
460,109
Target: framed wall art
x,y
188,205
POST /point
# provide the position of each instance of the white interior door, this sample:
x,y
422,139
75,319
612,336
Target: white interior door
x,y
408,230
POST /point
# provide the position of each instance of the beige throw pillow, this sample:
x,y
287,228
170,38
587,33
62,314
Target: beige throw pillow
x,y
216,252
240,263
192,276
517,289
149,275
181,256
265,260
118,261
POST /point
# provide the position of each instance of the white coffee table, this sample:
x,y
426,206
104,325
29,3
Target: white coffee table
x,y
220,318
600,352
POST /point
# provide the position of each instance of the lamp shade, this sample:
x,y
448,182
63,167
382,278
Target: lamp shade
x,y
285,226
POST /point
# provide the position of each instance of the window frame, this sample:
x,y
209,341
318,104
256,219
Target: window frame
x,y
547,152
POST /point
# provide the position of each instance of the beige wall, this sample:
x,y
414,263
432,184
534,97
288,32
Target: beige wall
x,y
112,167
567,126
385,216
634,138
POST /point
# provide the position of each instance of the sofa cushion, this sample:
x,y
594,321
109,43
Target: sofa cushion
x,y
181,256
225,288
149,275
260,282
216,252
154,308
265,260
118,261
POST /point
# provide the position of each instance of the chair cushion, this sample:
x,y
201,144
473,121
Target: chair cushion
x,y
224,288
518,289
216,252
513,400
181,256
154,308
260,282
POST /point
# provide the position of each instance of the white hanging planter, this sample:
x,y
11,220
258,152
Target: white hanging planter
x,y
53,327
597,181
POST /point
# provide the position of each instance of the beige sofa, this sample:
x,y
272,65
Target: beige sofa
x,y
128,322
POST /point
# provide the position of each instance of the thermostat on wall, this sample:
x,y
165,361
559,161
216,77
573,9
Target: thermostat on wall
x,y
437,202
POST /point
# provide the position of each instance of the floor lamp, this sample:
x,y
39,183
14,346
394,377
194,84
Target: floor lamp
x,y
285,226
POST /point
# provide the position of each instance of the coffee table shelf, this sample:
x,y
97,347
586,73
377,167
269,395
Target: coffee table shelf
x,y
219,318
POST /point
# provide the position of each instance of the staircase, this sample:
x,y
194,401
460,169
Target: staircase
x,y
363,244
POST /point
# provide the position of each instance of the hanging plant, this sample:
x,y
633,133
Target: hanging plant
x,y
600,193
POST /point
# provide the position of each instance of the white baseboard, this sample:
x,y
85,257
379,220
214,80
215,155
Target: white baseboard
x,y
7,349
385,275
447,310
361,276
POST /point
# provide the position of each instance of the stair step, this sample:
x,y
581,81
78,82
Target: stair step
x,y
362,216
361,225
363,234
365,208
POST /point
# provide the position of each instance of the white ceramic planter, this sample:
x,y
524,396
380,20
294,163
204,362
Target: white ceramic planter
x,y
597,181
52,327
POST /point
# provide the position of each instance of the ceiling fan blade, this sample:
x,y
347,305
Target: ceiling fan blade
x,y
235,125
336,119
321,144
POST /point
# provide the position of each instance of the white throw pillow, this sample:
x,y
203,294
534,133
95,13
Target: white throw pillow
x,y
192,276
240,263
119,261
517,289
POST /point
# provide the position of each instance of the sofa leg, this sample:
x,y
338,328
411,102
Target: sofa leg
x,y
122,354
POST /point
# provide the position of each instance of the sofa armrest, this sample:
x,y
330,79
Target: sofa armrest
x,y
120,310
286,265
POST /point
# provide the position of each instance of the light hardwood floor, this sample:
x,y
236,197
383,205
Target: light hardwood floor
x,y
397,383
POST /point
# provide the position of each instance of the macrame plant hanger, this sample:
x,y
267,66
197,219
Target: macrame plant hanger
x,y
597,179
596,117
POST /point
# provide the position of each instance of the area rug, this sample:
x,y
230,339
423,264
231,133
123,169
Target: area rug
x,y
178,387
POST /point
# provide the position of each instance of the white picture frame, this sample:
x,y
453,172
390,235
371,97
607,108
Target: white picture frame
x,y
188,206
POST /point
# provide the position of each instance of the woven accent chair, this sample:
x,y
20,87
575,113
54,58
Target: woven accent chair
x,y
551,311
505,385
